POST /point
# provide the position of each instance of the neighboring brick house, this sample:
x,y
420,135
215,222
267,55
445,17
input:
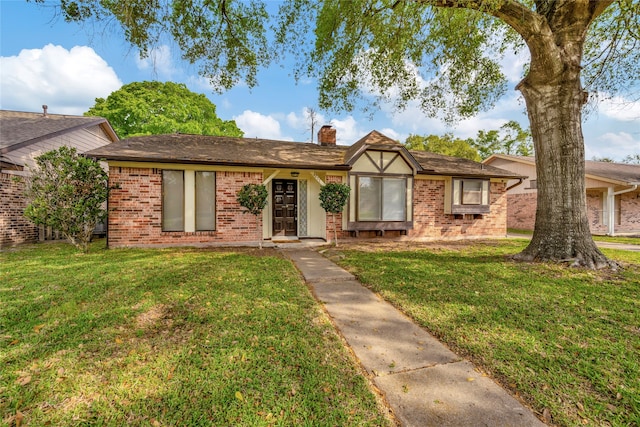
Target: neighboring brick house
x,y
181,190
612,191
24,136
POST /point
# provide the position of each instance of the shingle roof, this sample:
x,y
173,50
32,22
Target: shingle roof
x,y
230,151
222,150
627,173
18,129
439,164
622,172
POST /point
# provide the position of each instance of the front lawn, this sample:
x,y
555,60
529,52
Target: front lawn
x,y
170,337
565,340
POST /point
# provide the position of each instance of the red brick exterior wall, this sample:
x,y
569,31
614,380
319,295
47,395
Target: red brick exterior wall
x,y
14,227
521,211
597,224
329,219
430,221
629,213
135,211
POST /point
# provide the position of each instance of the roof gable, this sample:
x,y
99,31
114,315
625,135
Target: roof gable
x,y
376,141
20,129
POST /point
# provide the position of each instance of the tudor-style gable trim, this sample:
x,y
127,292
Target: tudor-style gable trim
x,y
375,141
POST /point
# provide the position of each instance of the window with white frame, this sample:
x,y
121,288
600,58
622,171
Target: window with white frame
x,y
172,200
188,200
470,195
205,201
382,199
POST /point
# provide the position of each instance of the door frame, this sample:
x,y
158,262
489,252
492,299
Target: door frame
x,y
294,232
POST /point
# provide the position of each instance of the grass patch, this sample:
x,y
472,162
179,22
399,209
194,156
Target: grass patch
x,y
628,240
566,340
169,337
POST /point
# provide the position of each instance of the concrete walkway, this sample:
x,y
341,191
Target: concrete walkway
x,y
424,382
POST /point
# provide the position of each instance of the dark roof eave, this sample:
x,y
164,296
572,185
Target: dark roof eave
x,y
218,163
470,175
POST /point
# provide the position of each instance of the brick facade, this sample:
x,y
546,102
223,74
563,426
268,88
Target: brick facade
x,y
135,211
521,211
430,221
14,227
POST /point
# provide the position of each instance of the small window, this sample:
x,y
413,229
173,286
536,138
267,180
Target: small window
x,y
470,196
471,192
533,184
172,200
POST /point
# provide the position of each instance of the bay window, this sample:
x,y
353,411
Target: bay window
x,y
381,199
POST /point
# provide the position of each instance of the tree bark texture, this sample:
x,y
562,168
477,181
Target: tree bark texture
x,y
554,97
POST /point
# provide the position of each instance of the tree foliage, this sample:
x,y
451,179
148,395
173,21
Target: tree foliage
x,y
509,139
633,159
333,199
446,144
67,192
254,198
153,108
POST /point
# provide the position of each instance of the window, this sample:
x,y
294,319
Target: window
x,y
382,199
470,196
471,192
533,184
172,200
188,200
205,201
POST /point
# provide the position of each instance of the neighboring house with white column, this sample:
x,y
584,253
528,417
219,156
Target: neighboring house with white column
x,y
612,191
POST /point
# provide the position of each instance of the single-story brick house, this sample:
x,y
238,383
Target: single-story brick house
x,y
181,190
613,194
24,136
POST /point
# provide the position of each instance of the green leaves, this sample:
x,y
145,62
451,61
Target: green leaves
x,y
333,197
153,108
253,197
67,192
446,144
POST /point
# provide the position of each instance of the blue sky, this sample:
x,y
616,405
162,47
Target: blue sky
x,y
44,60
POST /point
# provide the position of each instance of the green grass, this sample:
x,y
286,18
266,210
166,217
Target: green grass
x,y
170,337
566,340
628,240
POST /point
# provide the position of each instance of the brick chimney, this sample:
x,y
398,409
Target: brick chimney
x,y
327,136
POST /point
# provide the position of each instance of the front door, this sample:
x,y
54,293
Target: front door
x,y
285,207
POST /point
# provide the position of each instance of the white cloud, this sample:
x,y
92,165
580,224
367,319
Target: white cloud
x,y
68,81
256,125
619,108
161,64
347,130
613,145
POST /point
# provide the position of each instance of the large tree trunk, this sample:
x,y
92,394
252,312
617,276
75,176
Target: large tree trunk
x,y
554,98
